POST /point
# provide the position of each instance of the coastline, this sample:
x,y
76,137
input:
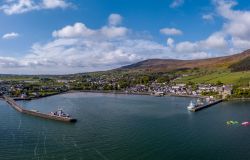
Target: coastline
x,y
121,93
125,93
238,99
79,91
106,92
191,96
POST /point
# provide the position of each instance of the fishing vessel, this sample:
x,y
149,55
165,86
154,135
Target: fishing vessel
x,y
245,123
60,113
191,106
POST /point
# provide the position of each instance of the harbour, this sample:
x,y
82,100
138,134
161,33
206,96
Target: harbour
x,y
52,116
201,107
36,113
128,127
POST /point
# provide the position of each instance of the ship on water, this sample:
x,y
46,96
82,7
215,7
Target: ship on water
x,y
192,106
60,113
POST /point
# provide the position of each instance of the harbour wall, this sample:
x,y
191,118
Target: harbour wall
x,y
20,109
207,105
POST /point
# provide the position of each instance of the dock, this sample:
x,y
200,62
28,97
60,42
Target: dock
x,y
20,109
206,105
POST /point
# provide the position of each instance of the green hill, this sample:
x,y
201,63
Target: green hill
x,y
243,65
233,69
166,65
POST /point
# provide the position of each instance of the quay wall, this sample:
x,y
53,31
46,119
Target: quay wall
x,y
19,108
207,105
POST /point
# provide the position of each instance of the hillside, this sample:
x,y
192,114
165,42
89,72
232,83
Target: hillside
x,y
166,65
243,65
233,69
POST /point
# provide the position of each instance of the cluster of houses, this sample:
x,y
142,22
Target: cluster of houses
x,y
8,87
25,89
182,89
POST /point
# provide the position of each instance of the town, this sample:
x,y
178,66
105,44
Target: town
x,y
36,87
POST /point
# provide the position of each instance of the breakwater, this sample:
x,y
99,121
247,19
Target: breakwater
x,y
20,109
206,105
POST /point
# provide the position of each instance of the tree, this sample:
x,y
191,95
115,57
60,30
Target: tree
x,y
219,83
163,79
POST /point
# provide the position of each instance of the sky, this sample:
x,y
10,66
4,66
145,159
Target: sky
x,y
74,36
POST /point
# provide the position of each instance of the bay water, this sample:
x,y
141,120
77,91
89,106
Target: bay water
x,y
124,127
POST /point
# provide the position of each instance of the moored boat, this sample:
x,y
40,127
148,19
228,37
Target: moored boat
x,y
232,122
62,116
191,106
60,113
245,123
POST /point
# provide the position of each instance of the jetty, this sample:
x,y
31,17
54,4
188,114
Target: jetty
x,y
195,109
35,113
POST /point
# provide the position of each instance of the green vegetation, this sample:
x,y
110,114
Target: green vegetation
x,y
243,65
140,77
211,93
213,77
241,93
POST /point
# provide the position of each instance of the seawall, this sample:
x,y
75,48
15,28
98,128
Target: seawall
x,y
20,109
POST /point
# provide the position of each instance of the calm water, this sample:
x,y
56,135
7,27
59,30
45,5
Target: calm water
x,y
125,127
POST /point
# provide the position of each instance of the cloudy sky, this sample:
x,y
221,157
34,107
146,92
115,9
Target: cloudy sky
x,y
71,36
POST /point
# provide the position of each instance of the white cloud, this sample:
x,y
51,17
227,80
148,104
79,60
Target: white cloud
x,y
208,17
11,35
215,41
214,45
234,35
8,62
11,7
176,3
77,30
80,30
115,19
17,7
170,42
187,47
240,43
237,23
50,4
86,54
77,48
112,32
171,31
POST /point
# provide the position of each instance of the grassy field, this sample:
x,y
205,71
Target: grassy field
x,y
226,77
17,78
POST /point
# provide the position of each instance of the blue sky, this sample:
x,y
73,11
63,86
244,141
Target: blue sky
x,y
71,36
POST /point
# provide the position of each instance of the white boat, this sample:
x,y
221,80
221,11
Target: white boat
x,y
199,102
190,106
33,110
60,113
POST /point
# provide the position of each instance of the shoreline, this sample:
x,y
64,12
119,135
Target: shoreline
x,y
112,92
141,93
238,99
104,92
124,93
120,93
107,92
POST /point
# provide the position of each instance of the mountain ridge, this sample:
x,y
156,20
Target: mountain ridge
x,y
165,65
